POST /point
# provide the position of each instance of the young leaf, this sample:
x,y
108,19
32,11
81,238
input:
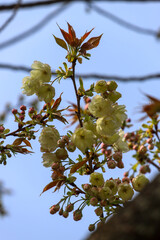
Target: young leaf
x,y
18,141
27,143
66,36
91,43
61,42
57,102
85,35
71,32
49,186
77,166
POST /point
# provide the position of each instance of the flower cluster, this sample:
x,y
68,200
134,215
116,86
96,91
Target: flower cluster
x,y
99,136
37,82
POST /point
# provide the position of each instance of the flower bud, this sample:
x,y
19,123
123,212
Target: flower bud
x,y
69,207
93,201
61,153
103,203
14,111
114,96
120,164
54,209
126,179
100,86
22,107
144,169
98,211
117,156
91,227
86,187
71,147
111,164
1,129
65,214
61,212
77,215
111,85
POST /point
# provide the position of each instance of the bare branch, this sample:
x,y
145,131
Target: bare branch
x,y
6,23
122,22
35,28
90,75
51,2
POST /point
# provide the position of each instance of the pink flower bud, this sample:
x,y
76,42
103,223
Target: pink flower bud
x,y
1,129
31,110
126,179
14,111
117,156
111,164
21,117
23,107
69,207
54,209
77,215
93,201
120,164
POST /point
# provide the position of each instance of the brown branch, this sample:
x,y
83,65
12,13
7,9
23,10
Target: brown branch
x,y
35,28
76,92
6,23
124,23
89,75
32,4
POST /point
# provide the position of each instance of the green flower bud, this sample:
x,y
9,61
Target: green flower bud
x,y
100,86
111,85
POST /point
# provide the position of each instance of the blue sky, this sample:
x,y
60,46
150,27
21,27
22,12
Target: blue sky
x,y
121,52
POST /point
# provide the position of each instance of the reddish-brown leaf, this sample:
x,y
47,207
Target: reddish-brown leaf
x,y
61,42
50,185
71,32
27,143
18,141
91,43
66,36
59,185
152,108
57,102
77,166
85,35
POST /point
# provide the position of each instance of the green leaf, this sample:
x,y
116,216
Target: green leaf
x,y
61,42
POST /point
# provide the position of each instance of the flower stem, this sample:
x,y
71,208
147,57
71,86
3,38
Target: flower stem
x,y
76,92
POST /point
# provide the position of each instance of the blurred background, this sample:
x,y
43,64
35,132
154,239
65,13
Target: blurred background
x,y
128,53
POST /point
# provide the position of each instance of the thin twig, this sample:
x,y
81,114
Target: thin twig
x,y
76,92
89,75
31,4
123,23
152,163
35,28
6,23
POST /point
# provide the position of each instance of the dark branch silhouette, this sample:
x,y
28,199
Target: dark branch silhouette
x,y
122,22
89,75
35,28
6,23
32,4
